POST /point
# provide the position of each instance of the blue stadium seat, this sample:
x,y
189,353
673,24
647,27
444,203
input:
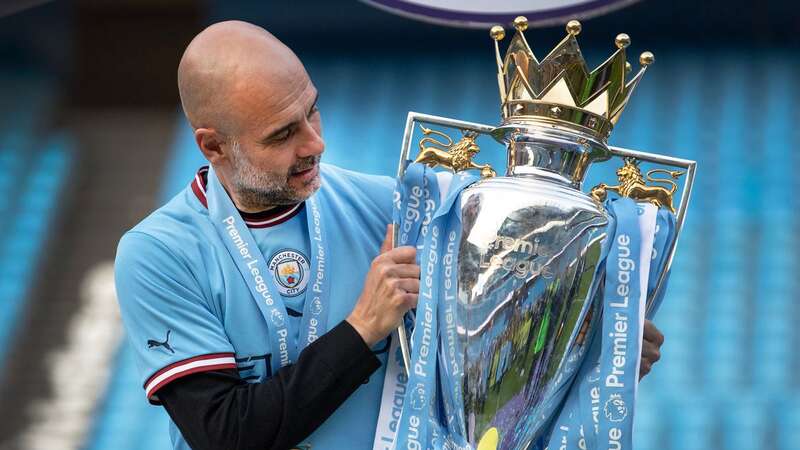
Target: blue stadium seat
x,y
33,183
746,422
692,423
787,415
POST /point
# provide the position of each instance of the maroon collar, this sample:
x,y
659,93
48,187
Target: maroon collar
x,y
263,219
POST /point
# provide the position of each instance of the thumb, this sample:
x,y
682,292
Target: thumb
x,y
387,240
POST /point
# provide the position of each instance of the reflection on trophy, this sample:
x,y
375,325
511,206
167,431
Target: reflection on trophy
x,y
530,265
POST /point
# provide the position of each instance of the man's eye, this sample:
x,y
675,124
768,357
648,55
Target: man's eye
x,y
284,135
313,111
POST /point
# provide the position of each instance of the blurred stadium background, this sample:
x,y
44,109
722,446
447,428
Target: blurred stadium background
x,y
92,139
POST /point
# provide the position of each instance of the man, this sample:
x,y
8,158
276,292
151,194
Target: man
x,y
200,313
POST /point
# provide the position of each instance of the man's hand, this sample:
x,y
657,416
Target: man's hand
x,y
391,289
651,348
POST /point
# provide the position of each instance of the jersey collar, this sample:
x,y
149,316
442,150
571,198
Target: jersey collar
x,y
263,219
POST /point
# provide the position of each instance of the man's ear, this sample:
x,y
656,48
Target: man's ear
x,y
211,143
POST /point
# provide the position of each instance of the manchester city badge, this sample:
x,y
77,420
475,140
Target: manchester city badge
x,y
290,269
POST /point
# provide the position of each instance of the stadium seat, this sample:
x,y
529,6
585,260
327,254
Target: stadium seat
x,y
33,177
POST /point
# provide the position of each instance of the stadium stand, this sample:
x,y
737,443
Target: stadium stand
x,y
726,379
33,172
126,421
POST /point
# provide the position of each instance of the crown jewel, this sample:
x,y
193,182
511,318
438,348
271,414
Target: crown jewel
x,y
560,90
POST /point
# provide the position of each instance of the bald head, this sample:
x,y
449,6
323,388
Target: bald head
x,y
229,69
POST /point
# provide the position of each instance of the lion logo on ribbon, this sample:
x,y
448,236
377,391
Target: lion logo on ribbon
x,y
277,318
418,398
615,408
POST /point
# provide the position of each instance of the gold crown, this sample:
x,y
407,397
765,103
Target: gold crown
x,y
560,90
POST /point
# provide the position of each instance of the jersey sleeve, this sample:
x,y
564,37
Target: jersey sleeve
x,y
171,326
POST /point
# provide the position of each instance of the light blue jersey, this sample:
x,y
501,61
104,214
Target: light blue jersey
x,y
187,309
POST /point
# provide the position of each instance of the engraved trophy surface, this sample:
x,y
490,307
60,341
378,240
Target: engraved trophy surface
x,y
528,269
531,252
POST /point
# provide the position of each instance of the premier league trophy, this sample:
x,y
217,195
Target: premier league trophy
x,y
533,293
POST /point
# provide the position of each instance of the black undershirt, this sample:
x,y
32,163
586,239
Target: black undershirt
x,y
219,410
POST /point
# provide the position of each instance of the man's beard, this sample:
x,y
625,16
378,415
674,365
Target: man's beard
x,y
257,189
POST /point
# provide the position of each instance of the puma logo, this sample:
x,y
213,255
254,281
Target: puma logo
x,y
151,343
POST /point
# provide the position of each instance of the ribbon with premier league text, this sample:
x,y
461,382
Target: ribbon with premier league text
x,y
662,244
599,408
420,423
252,265
416,198
423,213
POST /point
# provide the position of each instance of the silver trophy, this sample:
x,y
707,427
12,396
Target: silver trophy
x,y
530,251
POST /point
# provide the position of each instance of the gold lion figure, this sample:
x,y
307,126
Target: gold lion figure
x,y
456,157
633,185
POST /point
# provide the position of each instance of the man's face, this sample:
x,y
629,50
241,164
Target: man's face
x,y
274,159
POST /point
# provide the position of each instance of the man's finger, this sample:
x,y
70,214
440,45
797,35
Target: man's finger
x,y
650,352
407,271
409,285
410,300
402,255
652,334
387,240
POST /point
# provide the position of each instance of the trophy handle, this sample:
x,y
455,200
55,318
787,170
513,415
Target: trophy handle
x,y
689,167
471,131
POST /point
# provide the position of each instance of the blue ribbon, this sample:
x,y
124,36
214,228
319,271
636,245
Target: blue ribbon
x,y
252,266
419,426
419,197
451,361
606,384
315,309
619,358
664,239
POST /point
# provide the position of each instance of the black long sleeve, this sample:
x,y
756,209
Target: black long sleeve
x,y
219,410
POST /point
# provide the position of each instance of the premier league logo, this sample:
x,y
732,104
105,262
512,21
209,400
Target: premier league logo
x,y
290,269
277,318
418,399
316,306
615,408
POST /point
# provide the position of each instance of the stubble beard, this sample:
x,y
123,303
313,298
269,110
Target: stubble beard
x,y
259,190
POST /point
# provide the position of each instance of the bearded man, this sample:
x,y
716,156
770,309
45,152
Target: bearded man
x,y
252,274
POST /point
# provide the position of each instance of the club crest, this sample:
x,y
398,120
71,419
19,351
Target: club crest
x,y
290,269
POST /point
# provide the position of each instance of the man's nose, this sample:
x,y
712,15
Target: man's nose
x,y
312,143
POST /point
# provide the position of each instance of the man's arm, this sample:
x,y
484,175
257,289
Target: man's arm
x,y
218,410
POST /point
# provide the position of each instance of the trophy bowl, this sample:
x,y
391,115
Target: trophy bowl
x,y
529,265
